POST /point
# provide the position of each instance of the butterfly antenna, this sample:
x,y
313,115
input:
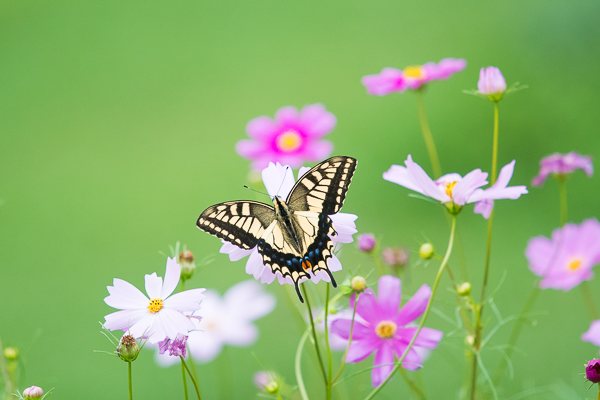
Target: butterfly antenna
x,y
257,191
287,167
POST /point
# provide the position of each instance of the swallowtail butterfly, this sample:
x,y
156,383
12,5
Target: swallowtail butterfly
x,y
294,235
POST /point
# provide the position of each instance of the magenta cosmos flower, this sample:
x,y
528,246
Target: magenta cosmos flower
x,y
455,191
491,83
562,164
592,335
384,328
158,315
279,180
293,137
592,370
567,259
391,80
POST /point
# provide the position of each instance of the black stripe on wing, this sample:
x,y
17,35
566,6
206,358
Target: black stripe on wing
x,y
323,188
296,267
241,223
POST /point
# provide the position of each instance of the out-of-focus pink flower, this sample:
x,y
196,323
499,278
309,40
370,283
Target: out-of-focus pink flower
x,y
391,80
367,242
293,137
395,256
491,83
279,180
453,190
225,320
592,335
384,329
563,164
173,347
156,316
567,259
33,392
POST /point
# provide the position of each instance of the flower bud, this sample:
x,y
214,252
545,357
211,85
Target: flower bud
x,y
491,83
426,251
266,381
128,348
11,354
395,256
366,242
358,284
464,289
592,370
33,392
187,263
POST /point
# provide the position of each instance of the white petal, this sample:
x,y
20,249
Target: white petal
x,y
344,225
144,328
278,179
248,300
399,174
203,346
125,296
173,323
123,320
188,300
235,253
172,274
153,286
256,268
239,333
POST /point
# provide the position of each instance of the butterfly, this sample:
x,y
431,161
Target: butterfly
x,y
293,236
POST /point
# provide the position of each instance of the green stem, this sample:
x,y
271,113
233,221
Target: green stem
x,y
495,143
434,289
185,386
327,346
563,200
428,136
413,385
343,363
194,381
298,366
316,342
8,383
130,381
598,392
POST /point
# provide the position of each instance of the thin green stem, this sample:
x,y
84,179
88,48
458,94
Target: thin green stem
x,y
8,384
413,385
428,136
343,362
184,380
434,289
563,200
327,345
129,381
316,342
194,381
598,392
298,366
495,143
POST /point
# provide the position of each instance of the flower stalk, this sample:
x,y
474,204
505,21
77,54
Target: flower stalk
x,y
316,343
427,135
129,381
184,380
194,381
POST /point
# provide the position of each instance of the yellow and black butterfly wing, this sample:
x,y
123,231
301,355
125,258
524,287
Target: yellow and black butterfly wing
x,y
241,223
323,188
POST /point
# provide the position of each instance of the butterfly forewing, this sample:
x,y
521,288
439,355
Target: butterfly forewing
x,y
323,188
241,223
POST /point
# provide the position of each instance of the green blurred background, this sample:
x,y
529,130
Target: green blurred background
x,y
118,121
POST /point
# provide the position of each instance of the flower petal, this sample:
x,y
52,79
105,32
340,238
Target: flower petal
x,y
383,363
188,300
235,253
256,268
172,323
341,327
422,180
125,296
204,346
171,280
360,349
415,307
123,320
389,294
248,301
467,185
400,175
278,179
592,335
261,128
153,286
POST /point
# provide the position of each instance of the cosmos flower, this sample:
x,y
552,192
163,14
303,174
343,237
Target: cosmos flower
x,y
491,83
561,165
566,259
367,242
279,180
226,320
455,191
391,80
592,335
293,137
592,370
385,329
158,315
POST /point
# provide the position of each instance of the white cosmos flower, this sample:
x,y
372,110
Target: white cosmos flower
x,y
157,315
226,320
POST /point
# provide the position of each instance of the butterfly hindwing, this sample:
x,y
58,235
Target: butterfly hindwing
x,y
323,188
241,223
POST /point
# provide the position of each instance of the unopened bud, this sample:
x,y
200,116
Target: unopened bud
x,y
592,370
128,348
366,242
187,263
426,251
395,256
33,392
464,289
11,354
358,284
266,381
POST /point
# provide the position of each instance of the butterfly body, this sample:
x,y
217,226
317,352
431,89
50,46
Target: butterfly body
x,y
294,235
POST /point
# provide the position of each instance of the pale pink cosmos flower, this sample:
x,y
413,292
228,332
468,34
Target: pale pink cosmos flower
x,y
225,320
158,315
455,191
391,80
563,164
279,180
33,392
566,259
293,137
592,335
384,329
491,82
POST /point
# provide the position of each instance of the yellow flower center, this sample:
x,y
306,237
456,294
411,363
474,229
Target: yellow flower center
x,y
155,305
386,329
289,141
450,188
414,72
574,264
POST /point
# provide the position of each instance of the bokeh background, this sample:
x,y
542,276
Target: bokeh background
x,y
118,122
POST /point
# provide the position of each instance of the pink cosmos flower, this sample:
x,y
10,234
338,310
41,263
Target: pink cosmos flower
x,y
367,242
491,82
563,164
592,335
293,137
455,191
567,259
279,180
384,329
158,315
391,80
226,320
592,370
